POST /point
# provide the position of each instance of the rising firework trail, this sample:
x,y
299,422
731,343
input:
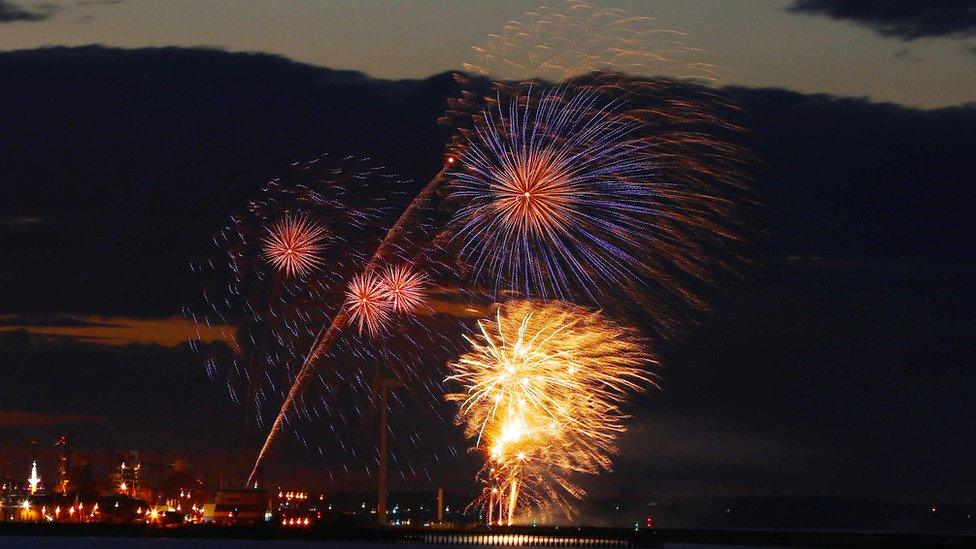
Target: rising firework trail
x,y
543,387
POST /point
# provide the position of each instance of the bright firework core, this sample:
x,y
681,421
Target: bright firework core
x,y
536,196
544,385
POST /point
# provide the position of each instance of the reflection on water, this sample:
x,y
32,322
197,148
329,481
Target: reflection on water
x,y
164,543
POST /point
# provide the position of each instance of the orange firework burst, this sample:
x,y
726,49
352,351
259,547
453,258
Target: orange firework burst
x,y
368,303
544,384
405,287
292,245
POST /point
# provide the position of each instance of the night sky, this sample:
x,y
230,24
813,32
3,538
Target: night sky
x,y
840,364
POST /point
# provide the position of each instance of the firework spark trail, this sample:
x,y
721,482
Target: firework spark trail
x,y
293,247
277,315
331,330
665,163
571,38
543,389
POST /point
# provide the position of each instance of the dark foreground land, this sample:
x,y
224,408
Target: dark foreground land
x,y
516,536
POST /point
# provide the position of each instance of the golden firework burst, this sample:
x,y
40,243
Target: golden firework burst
x,y
544,389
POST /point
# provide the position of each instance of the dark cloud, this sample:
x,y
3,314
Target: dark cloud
x,y
848,178
69,384
718,451
11,12
122,221
905,19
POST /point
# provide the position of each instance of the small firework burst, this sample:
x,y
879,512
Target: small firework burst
x,y
293,245
405,286
368,303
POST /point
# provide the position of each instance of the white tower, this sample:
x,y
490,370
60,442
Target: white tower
x,y
34,478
